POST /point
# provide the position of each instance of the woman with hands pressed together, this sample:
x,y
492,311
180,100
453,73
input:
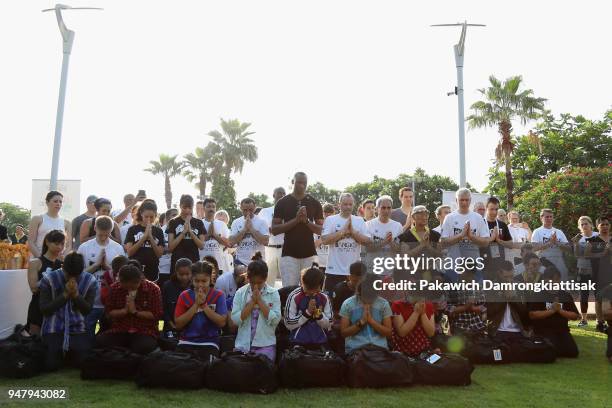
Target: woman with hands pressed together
x,y
186,234
145,241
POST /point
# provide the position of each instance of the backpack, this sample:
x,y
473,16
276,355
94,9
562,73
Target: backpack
x,y
532,350
449,369
300,368
239,372
116,363
482,349
376,367
171,369
22,356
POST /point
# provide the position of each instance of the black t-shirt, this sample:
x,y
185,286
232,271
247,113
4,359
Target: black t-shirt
x,y
341,292
556,323
504,235
186,248
3,233
146,255
299,241
408,236
16,241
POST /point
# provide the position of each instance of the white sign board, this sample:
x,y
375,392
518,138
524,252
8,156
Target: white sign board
x,y
70,189
448,198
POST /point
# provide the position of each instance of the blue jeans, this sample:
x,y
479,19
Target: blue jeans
x,y
91,320
79,347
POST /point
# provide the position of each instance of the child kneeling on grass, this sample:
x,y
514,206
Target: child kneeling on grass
x,y
135,307
66,297
308,312
366,317
256,312
200,314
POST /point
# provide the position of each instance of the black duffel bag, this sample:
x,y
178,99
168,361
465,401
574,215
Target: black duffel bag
x,y
115,363
171,369
532,350
377,367
482,349
239,372
300,368
226,343
443,369
22,356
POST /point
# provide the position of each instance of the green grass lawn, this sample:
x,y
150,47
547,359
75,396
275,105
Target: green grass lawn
x,y
583,382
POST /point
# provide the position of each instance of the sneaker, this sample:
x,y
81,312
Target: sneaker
x,y
602,327
583,323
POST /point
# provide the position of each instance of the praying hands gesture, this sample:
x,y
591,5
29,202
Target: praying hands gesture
x,y
71,291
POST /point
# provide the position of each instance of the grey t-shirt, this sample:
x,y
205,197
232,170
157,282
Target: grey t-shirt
x,y
399,216
76,229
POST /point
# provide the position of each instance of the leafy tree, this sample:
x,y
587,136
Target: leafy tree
x,y
502,104
198,166
236,147
427,190
223,191
261,200
323,194
13,215
556,144
570,193
168,167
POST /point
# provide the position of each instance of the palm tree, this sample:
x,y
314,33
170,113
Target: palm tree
x,y
198,166
503,103
167,166
236,147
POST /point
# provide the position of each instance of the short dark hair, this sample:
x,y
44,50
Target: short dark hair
x,y
52,194
365,289
503,265
550,272
183,263
118,262
211,260
202,267
601,219
104,223
313,277
186,201
492,200
366,202
358,269
404,189
102,201
299,173
201,202
73,264
247,200
328,208
129,273
528,257
209,200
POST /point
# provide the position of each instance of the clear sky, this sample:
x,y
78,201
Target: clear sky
x,y
343,90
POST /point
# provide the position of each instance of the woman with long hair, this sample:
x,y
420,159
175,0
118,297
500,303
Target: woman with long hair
x,y
103,207
52,247
144,241
41,224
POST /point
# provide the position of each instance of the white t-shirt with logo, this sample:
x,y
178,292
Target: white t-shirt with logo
x,y
345,251
519,234
322,252
267,214
543,235
378,232
246,248
454,224
212,247
91,252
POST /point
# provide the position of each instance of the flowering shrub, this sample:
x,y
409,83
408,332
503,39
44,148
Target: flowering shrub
x,y
571,193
